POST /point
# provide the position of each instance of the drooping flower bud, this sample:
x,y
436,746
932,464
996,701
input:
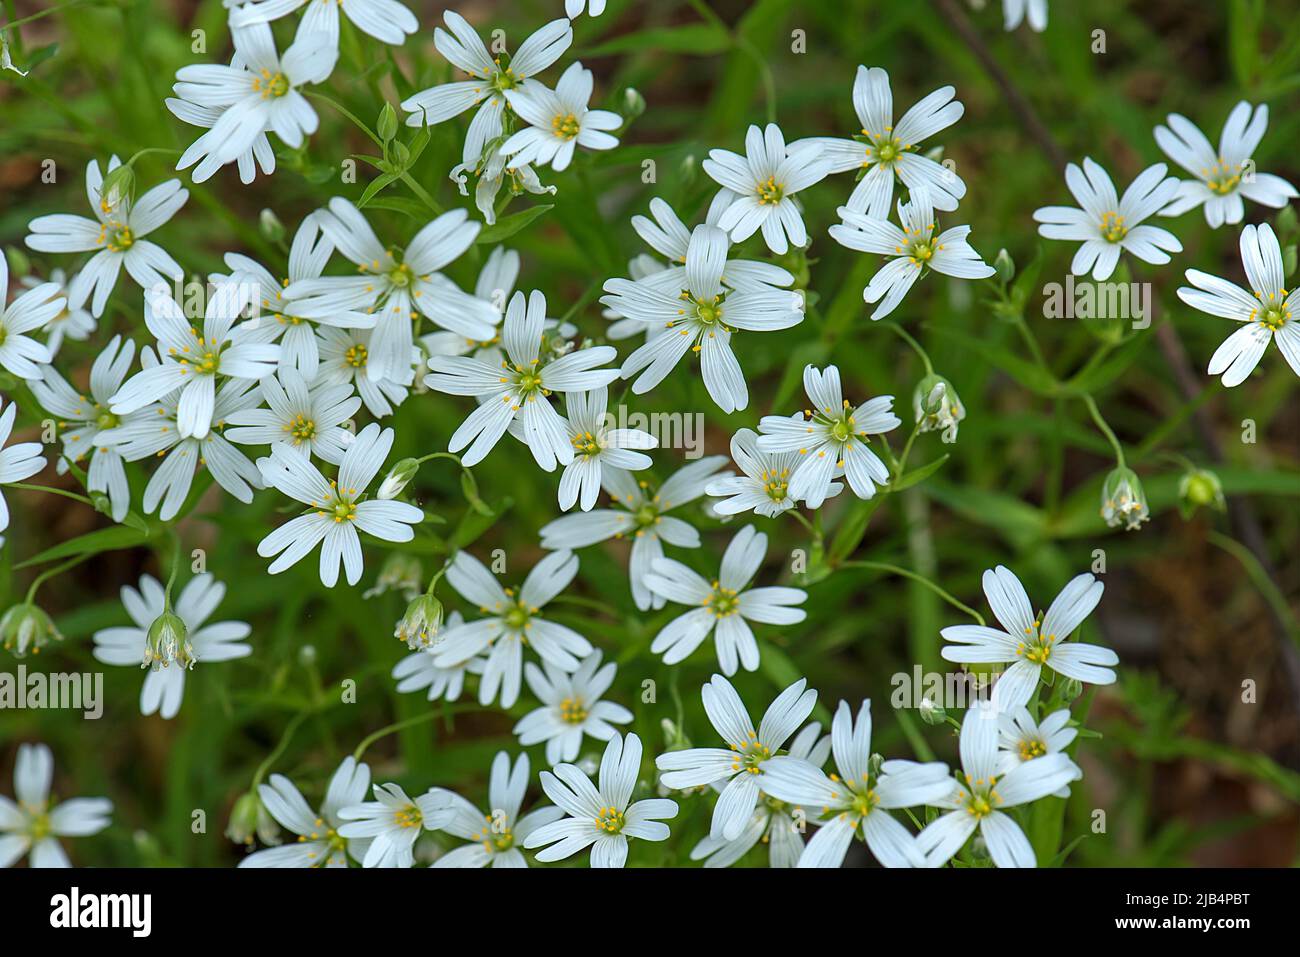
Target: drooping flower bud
x,y
398,478
1123,502
937,407
932,713
418,627
25,628
249,817
401,573
270,226
1200,488
167,642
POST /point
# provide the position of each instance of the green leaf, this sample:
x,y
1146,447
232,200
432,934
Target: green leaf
x,y
507,226
851,533
918,474
92,543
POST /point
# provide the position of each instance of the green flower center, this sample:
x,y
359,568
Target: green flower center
x,y
104,418
1222,178
776,484
709,313
722,601
271,85
566,126
1113,228
573,710
1031,748
517,617
401,276
118,237
646,515
41,827
408,816
301,428
586,443
1274,318
770,192
749,755
610,820
356,356
502,80
1036,647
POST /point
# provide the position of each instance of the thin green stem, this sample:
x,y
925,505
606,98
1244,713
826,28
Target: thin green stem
x,y
916,346
370,739
921,579
12,24
283,743
30,487
49,573
1095,412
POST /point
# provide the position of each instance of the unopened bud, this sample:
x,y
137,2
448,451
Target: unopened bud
x,y
1005,266
386,125
27,628
1123,502
249,817
633,104
270,225
117,186
418,627
398,478
932,713
1200,488
167,642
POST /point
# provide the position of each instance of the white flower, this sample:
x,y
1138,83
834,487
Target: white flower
x,y
274,318
559,121
116,235
495,285
497,835
520,387
884,150
203,150
30,824
764,488
308,420
20,353
776,823
741,765
1271,314
129,645
319,843
392,822
726,606
831,438
492,174
512,620
601,816
386,20
979,794
856,801
765,181
1224,176
597,446
491,79
702,315
911,249
571,707
1107,225
394,285
1021,739
937,408
18,462
256,94
640,514
339,508
417,670
574,8
84,419
154,429
667,235
345,357
1016,11
192,361
1031,642
76,324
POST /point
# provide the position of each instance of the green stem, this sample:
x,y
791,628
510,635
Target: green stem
x,y
274,756
1095,412
30,487
916,346
49,573
12,24
921,579
370,739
